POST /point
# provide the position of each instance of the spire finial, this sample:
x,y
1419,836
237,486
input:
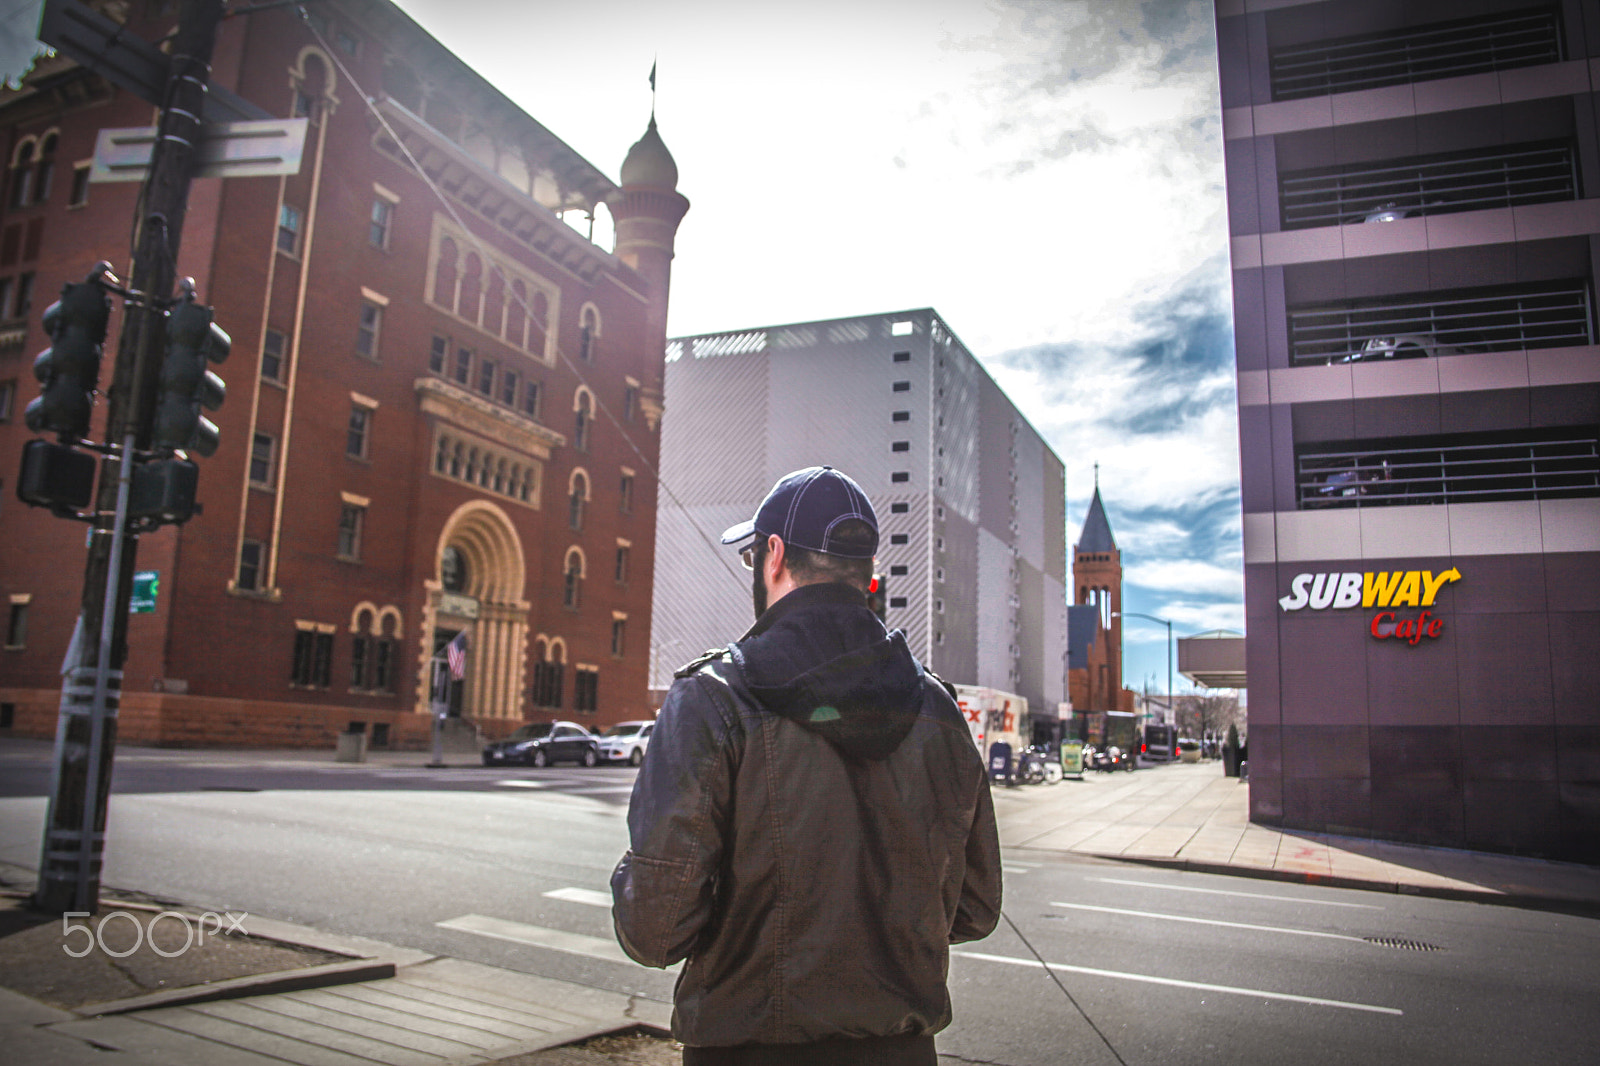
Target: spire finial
x,y
653,61
1097,477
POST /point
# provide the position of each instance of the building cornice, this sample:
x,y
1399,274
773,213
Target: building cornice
x,y
477,415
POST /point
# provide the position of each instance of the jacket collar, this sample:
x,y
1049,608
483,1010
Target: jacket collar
x,y
827,592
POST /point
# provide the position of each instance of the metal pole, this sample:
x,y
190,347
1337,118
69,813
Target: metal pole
x,y
74,834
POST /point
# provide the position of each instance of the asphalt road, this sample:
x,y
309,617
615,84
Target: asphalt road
x,y
510,868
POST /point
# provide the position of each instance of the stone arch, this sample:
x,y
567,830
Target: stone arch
x,y
583,563
364,618
387,615
490,605
23,153
589,324
304,77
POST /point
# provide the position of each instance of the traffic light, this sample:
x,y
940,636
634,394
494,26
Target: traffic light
x,y
186,385
163,491
878,597
69,369
56,476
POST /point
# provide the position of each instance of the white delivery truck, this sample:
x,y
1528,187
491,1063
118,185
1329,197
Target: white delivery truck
x,y
995,717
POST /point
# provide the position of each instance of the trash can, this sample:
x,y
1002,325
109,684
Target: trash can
x,y
352,747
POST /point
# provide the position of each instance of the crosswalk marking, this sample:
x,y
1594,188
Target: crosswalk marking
x,y
1289,997
581,895
537,935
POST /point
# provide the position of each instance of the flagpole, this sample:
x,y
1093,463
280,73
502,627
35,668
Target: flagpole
x,y
436,710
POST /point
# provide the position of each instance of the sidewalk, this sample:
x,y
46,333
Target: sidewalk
x,y
379,1003
1189,816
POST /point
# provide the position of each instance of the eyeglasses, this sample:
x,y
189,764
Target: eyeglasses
x,y
749,555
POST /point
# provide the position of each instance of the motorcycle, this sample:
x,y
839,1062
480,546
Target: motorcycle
x,y
1111,758
1031,767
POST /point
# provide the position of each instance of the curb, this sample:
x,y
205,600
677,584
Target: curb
x,y
1525,901
333,973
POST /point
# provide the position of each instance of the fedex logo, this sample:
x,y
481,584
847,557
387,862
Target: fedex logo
x,y
1394,588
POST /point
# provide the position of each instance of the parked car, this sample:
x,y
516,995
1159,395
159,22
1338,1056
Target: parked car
x,y
544,743
1188,750
626,740
1402,346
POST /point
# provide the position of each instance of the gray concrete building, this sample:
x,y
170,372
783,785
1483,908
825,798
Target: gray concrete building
x,y
1414,210
970,499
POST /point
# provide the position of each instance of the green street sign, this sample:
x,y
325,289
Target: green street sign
x,y
146,583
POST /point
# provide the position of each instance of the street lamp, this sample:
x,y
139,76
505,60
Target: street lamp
x,y
1160,621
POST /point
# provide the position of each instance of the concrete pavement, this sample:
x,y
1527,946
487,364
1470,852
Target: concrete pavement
x,y
434,1009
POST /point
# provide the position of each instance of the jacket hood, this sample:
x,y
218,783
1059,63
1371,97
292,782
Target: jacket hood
x,y
820,658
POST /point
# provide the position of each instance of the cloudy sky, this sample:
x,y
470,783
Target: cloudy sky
x,y
1047,174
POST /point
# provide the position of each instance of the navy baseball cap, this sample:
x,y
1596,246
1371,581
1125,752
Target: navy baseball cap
x,y
805,507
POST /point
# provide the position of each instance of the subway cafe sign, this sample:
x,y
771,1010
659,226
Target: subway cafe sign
x,y
1402,599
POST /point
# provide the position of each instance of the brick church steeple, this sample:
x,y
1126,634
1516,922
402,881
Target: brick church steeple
x,y
1097,577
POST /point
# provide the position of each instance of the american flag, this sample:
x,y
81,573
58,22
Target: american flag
x,y
456,653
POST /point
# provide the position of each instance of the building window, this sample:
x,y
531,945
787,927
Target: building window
x,y
6,287
249,579
347,43
273,345
898,571
938,606
289,229
530,399
371,660
899,508
575,502
902,416
623,551
8,399
899,538
900,476
902,357
630,402
619,636
625,494
572,584
17,626
547,684
305,106
900,446
586,689
463,367
313,658
587,333
508,387
487,368
378,227
438,351
902,386
261,449
358,662
24,296
897,601
351,518
583,419
367,325
355,444
80,186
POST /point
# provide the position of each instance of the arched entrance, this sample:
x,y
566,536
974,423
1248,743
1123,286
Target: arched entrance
x,y
476,589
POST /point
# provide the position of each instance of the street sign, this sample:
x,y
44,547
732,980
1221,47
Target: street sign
x,y
226,150
79,32
146,586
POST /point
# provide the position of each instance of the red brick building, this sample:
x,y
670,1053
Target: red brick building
x,y
443,409
1096,685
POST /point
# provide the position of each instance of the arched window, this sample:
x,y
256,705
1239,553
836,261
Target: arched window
x,y
44,170
21,177
455,461
453,570
441,461
572,586
575,502
472,465
587,332
470,306
500,476
494,302
444,275
517,315
583,419
538,323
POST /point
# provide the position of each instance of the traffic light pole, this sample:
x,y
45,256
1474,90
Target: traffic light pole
x,y
86,732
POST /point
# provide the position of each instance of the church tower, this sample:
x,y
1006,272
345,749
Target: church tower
x,y
646,211
1097,577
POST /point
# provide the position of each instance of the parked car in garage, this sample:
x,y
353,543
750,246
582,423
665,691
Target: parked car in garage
x,y
626,740
544,743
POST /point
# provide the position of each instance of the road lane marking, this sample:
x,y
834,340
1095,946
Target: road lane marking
x,y
582,895
537,935
1015,869
1226,892
598,790
1173,982
1209,921
519,783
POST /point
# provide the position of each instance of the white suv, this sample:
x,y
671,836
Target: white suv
x,y
626,740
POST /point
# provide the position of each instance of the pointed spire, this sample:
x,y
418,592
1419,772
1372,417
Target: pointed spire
x,y
1096,535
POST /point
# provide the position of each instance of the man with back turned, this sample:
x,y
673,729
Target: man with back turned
x,y
812,825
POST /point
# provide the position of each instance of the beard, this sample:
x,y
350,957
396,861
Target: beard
x,y
758,590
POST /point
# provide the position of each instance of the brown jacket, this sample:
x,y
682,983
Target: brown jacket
x,y
811,829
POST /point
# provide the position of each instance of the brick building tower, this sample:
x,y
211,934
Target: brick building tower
x,y
443,411
1097,577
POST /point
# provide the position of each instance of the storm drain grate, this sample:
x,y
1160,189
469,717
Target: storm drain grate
x,y
1399,942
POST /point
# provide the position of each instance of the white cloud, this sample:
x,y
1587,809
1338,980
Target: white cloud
x,y
1186,575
